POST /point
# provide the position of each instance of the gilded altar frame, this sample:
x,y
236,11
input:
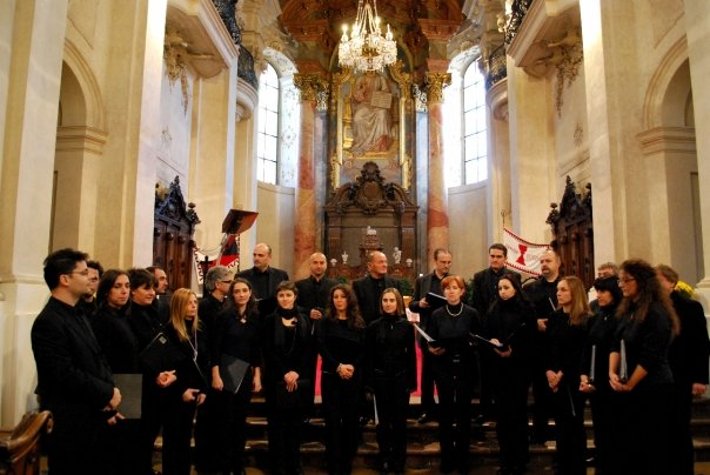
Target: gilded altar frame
x,y
396,160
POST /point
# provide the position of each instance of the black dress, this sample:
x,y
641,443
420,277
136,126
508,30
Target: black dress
x,y
285,349
340,343
566,347
392,374
512,323
455,377
644,418
238,337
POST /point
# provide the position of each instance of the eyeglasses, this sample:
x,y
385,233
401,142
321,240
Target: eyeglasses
x,y
626,280
229,282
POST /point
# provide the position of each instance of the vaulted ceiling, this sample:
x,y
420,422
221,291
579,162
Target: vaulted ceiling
x,y
421,28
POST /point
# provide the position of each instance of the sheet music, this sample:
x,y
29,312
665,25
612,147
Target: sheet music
x,y
426,336
624,370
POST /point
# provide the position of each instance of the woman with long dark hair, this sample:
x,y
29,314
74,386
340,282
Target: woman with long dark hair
x,y
236,336
120,346
639,370
454,360
341,343
392,363
182,397
509,325
595,371
567,335
286,344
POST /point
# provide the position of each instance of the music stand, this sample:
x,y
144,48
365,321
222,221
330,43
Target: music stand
x,y
236,222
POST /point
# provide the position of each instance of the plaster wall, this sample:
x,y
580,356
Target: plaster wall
x,y
274,225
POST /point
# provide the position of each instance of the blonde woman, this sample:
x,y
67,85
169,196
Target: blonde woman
x,y
567,331
181,398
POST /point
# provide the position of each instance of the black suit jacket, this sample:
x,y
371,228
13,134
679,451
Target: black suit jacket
x,y
276,276
312,294
368,290
422,286
74,378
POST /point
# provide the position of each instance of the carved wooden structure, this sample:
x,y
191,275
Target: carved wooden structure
x,y
173,230
573,232
389,212
19,448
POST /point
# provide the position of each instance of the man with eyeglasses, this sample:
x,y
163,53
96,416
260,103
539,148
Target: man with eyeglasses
x,y
217,283
74,378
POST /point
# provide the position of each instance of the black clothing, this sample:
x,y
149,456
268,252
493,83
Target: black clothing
x,y
485,292
392,374
543,295
368,292
339,343
116,338
120,346
566,347
206,425
454,374
87,308
264,283
312,294
644,419
688,357
75,383
284,349
177,425
423,285
603,400
512,323
238,337
146,322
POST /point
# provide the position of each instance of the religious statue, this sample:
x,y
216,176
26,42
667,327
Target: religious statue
x,y
344,256
371,103
397,255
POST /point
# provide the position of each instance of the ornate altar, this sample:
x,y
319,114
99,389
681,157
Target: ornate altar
x,y
173,228
573,232
366,215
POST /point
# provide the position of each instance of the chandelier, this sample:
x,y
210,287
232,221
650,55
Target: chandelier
x,y
366,49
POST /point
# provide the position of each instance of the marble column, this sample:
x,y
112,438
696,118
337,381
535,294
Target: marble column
x,y
498,189
697,15
437,207
305,213
245,183
29,101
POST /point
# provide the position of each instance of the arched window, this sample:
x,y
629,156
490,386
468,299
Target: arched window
x,y
475,140
267,143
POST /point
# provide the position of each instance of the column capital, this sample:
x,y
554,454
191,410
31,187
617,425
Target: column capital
x,y
310,85
435,84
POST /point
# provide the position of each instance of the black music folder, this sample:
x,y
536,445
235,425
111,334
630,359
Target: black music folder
x,y
233,371
161,354
435,300
497,346
130,386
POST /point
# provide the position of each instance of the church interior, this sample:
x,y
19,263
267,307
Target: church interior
x,y
129,130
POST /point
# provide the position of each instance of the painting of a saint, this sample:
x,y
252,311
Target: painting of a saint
x,y
371,104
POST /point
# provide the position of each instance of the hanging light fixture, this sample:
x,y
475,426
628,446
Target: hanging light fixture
x,y
366,49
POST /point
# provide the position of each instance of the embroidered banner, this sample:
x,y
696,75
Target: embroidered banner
x,y
523,256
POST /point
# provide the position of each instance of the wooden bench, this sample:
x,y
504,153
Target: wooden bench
x,y
19,447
